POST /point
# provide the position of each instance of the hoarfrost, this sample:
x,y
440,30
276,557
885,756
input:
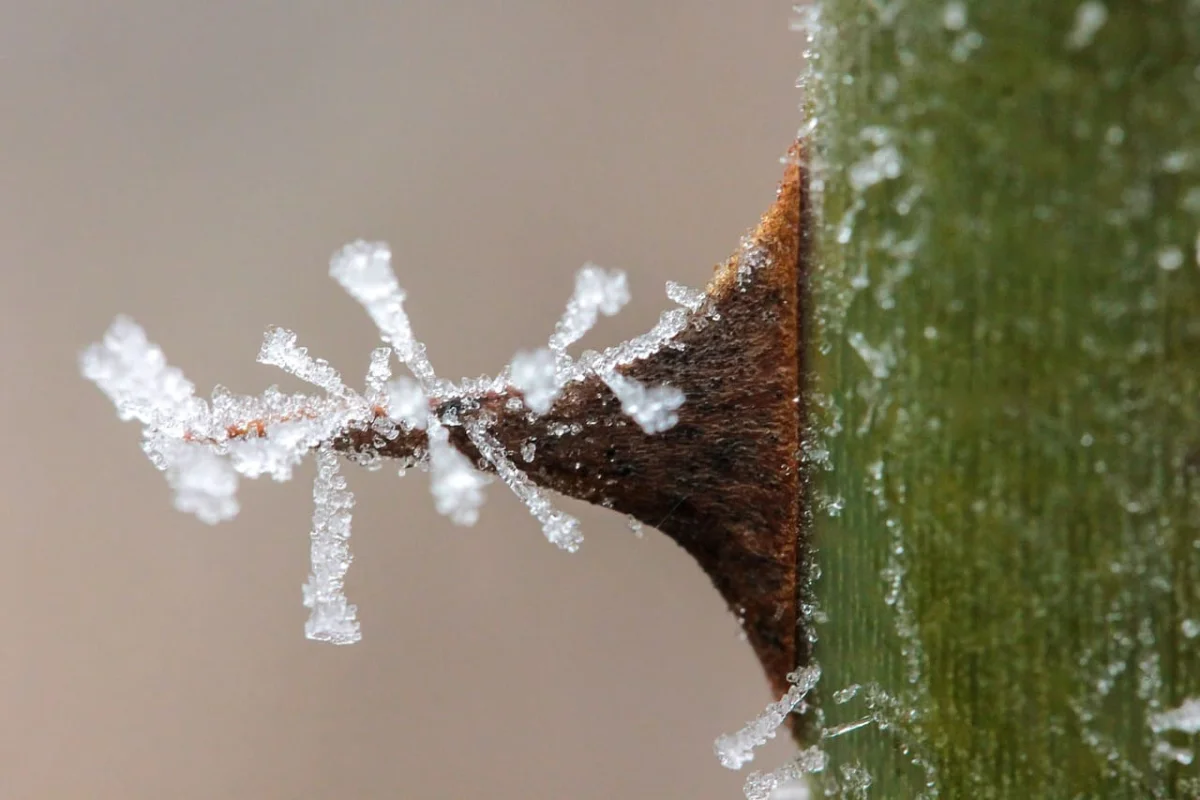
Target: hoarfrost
x,y
1170,258
954,16
279,349
332,619
407,403
689,298
378,374
652,408
1090,17
735,750
136,377
597,291
635,525
1185,718
561,529
765,786
205,484
456,485
533,373
203,447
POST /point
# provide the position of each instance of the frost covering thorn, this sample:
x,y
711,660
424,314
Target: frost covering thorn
x,y
203,446
542,374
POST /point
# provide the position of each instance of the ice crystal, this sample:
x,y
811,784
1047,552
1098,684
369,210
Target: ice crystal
x,y
457,486
560,528
204,446
653,408
596,292
735,750
766,786
534,374
686,296
332,619
407,403
1090,17
1185,718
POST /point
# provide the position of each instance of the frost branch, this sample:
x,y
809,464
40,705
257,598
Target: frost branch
x,y
204,446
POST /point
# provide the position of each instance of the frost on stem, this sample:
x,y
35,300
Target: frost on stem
x,y
204,446
1185,718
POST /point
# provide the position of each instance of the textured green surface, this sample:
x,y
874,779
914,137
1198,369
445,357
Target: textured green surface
x,y
1008,364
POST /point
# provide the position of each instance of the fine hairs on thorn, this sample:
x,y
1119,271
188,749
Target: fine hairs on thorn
x,y
205,446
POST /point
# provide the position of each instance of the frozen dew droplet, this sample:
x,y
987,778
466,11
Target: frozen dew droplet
x,y
954,16
1170,258
1090,17
456,485
636,526
205,484
533,373
1185,718
407,403
882,163
751,258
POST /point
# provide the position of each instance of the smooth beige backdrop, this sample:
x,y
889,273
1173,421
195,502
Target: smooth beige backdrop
x,y
194,164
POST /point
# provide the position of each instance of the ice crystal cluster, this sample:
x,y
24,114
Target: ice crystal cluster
x,y
203,446
735,750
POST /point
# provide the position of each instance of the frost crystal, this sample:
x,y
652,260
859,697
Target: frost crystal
x,y
533,374
1090,17
560,528
736,750
407,403
760,786
332,619
279,349
135,375
457,486
596,292
689,298
1185,719
204,483
651,408
203,447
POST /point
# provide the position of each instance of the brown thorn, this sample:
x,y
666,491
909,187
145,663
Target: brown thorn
x,y
726,482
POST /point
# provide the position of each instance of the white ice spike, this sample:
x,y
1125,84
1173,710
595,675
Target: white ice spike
x,y
205,447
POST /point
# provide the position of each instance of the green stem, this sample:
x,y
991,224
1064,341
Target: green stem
x,y
1007,368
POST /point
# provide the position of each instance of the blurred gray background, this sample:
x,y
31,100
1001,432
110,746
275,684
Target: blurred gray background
x,y
194,164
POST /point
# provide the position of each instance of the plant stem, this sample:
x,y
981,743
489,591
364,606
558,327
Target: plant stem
x,y
1006,358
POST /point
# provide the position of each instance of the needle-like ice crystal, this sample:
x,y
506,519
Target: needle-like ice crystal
x,y
204,446
737,749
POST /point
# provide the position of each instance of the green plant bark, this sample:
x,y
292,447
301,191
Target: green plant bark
x,y
1006,394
